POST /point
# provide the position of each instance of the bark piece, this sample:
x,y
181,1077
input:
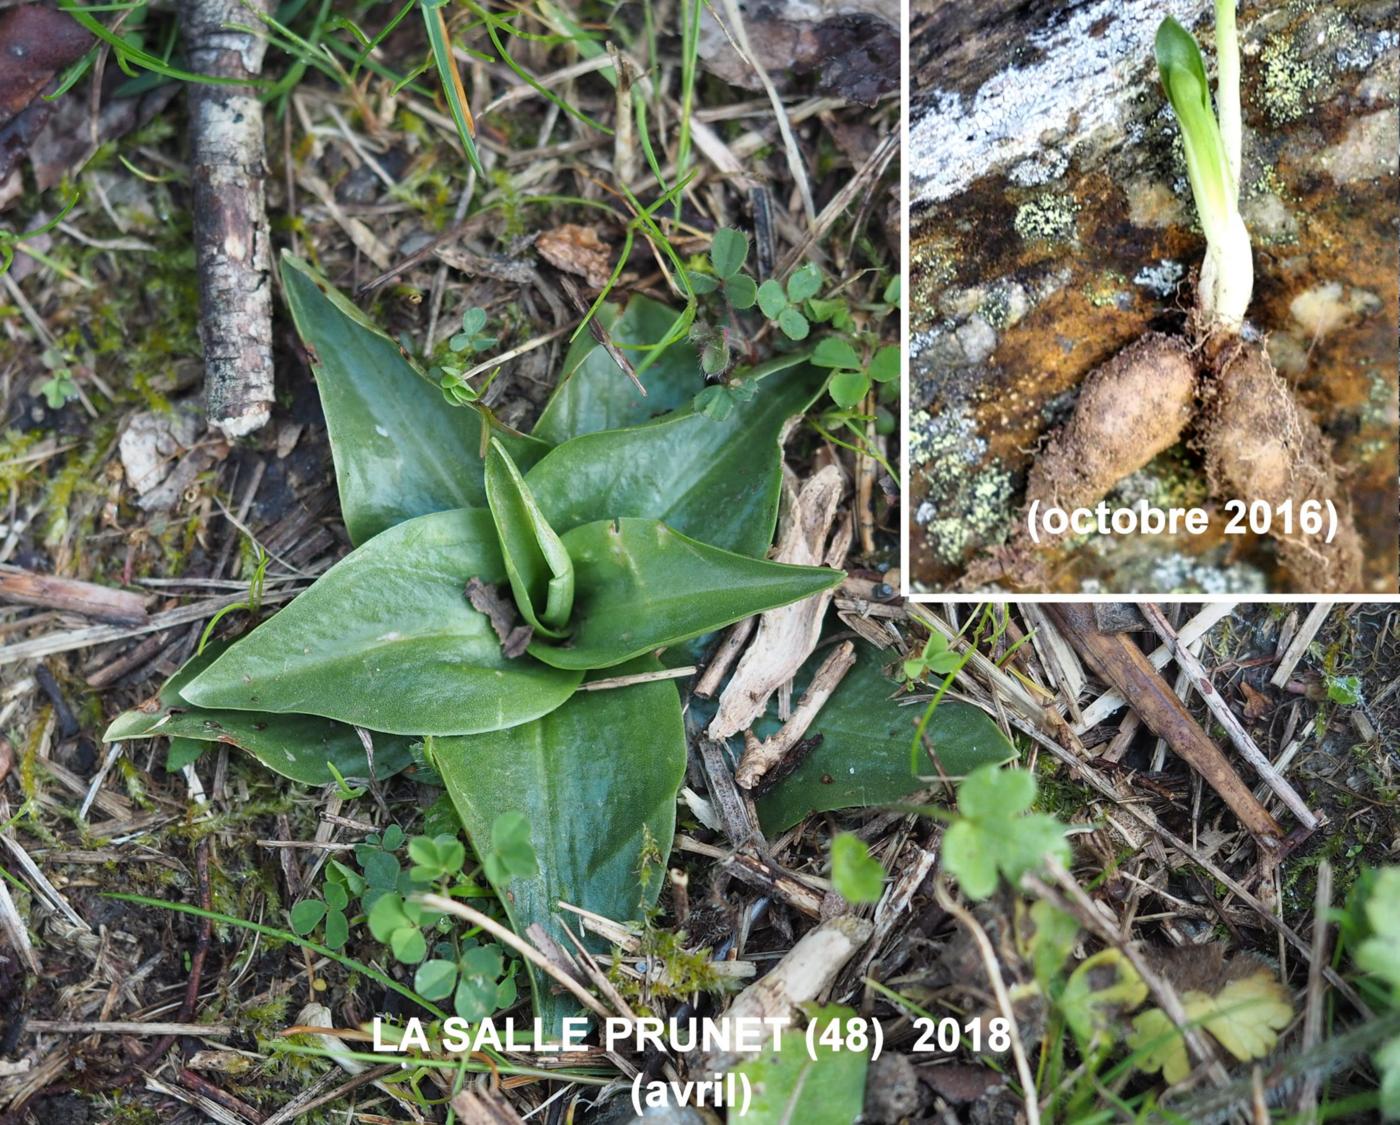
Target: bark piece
x,y
787,636
230,214
1123,664
802,975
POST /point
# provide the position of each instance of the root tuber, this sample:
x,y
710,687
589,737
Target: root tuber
x,y
1129,410
1259,444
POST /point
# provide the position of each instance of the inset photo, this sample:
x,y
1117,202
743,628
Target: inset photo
x,y
1153,297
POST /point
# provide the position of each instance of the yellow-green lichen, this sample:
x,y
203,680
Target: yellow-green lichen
x,y
1047,218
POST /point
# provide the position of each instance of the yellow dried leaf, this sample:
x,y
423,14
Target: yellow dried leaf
x,y
1246,1015
1161,1045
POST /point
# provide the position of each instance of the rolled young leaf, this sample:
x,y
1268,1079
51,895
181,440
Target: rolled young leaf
x,y
387,640
597,781
541,573
641,586
400,450
296,746
716,480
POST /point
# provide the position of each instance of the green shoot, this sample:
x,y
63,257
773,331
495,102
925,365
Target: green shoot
x,y
441,41
1212,163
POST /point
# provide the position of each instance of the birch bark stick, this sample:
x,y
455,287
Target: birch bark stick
x,y
230,216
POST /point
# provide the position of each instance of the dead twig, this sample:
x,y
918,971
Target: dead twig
x,y
1122,664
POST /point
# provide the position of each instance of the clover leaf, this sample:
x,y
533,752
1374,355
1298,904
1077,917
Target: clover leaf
x,y
782,306
511,855
993,832
729,250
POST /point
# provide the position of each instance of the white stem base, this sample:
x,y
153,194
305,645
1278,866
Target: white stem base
x,y
1227,278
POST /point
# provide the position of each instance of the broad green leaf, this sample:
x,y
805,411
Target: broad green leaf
x,y
715,479
826,1087
728,250
1183,75
771,299
182,752
597,780
295,746
863,758
1388,1063
1246,1015
595,393
1379,953
793,324
855,873
1157,1044
642,586
993,793
400,450
804,283
741,291
541,572
387,640
885,364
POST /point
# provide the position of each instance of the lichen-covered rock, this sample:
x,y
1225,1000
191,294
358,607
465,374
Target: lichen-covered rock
x,y
1052,225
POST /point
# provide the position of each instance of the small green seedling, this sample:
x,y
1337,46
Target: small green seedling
x,y
936,658
476,978
1212,160
330,909
994,833
1344,690
60,388
472,338
470,341
855,873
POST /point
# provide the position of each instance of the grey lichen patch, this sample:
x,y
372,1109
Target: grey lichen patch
x,y
1066,82
1179,573
1161,278
964,509
1039,168
1050,217
1005,303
